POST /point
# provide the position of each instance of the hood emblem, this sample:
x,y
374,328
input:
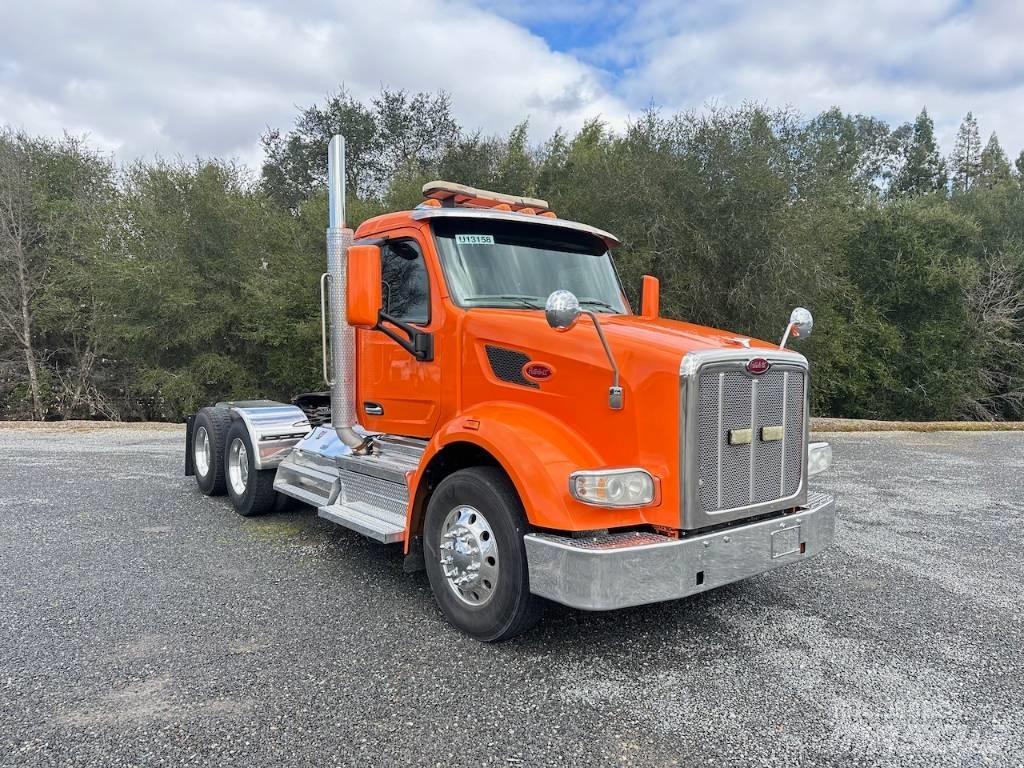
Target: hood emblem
x,y
758,365
538,371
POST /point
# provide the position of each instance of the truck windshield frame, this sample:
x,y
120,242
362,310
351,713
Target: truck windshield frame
x,y
516,265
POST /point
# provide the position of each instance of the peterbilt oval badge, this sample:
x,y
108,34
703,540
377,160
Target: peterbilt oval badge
x,y
537,371
758,365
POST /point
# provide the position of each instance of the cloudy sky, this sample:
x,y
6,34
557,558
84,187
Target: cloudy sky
x,y
206,77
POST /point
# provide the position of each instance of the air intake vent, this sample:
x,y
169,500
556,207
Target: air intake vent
x,y
507,365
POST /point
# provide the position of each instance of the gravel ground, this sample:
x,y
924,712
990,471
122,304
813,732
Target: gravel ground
x,y
144,624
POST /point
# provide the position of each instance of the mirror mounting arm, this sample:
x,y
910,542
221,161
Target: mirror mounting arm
x,y
785,336
615,391
419,344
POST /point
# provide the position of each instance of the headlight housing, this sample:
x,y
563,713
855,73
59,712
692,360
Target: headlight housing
x,y
630,487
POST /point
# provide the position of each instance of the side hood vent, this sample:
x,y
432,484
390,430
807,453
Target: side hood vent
x,y
507,365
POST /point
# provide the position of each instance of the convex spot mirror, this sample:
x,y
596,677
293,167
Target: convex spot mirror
x,y
801,323
562,310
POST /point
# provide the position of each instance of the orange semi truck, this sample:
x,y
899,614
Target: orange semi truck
x,y
498,409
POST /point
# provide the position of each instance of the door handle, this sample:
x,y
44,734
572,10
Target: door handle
x,y
373,409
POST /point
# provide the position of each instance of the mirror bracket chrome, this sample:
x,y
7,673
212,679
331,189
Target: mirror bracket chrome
x,y
785,336
614,391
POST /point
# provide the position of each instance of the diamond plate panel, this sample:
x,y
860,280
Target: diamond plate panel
x,y
366,489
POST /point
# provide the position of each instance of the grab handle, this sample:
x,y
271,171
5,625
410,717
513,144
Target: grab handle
x,y
323,328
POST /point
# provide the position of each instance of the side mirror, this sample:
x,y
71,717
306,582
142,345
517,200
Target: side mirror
x,y
362,286
650,298
562,310
801,323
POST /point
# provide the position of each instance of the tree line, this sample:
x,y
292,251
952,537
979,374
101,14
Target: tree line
x,y
145,290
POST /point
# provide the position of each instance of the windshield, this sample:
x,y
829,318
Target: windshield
x,y
512,264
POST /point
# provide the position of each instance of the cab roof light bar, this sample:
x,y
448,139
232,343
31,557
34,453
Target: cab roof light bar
x,y
448,194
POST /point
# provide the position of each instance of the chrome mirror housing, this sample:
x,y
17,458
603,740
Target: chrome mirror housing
x,y
562,310
801,323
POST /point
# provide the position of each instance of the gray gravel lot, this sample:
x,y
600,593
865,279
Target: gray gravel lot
x,y
144,624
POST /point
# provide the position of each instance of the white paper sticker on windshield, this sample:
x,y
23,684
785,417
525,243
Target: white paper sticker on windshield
x,y
474,239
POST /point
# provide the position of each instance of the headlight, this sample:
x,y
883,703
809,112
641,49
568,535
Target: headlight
x,y
819,458
613,487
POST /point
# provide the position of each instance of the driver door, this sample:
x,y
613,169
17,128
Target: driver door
x,y
397,393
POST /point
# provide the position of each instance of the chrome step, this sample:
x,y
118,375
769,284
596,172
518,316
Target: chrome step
x,y
392,459
374,522
369,494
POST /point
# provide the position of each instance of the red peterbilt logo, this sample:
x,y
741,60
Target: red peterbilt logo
x,y
758,365
537,371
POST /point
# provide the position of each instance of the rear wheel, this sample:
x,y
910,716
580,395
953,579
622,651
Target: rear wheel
x,y
209,433
475,556
251,490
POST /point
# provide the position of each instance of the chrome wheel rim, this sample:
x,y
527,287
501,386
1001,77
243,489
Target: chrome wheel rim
x,y
469,555
238,466
202,452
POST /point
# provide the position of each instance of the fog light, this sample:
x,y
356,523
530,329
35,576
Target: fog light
x,y
819,458
613,487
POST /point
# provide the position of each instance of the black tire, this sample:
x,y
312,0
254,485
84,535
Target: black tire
x,y
511,609
214,423
258,495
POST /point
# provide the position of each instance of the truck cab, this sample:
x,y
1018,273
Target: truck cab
x,y
499,411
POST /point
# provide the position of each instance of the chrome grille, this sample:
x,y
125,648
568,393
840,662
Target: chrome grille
x,y
735,476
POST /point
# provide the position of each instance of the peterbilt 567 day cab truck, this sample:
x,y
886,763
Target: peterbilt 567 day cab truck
x,y
497,408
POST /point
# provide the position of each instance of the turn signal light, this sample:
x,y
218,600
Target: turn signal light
x,y
819,458
613,487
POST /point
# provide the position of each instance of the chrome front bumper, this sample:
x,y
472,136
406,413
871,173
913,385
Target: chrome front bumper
x,y
618,570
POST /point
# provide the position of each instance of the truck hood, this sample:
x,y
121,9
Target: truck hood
x,y
672,335
633,339
648,353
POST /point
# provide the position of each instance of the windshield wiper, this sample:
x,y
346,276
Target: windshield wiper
x,y
601,304
524,301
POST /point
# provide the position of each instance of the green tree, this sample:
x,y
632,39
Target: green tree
x,y
399,134
56,198
966,157
910,265
196,239
922,171
993,165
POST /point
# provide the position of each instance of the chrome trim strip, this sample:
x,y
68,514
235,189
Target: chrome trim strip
x,y
690,514
418,214
721,434
620,570
782,458
753,440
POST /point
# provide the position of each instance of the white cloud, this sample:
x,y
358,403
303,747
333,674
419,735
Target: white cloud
x,y
208,76
878,57
199,77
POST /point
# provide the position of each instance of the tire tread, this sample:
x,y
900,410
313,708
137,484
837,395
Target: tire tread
x,y
217,422
528,608
260,496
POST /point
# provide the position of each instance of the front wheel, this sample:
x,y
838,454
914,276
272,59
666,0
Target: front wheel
x,y
475,555
251,490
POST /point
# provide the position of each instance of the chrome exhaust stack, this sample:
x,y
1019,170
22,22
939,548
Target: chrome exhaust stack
x,y
342,380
